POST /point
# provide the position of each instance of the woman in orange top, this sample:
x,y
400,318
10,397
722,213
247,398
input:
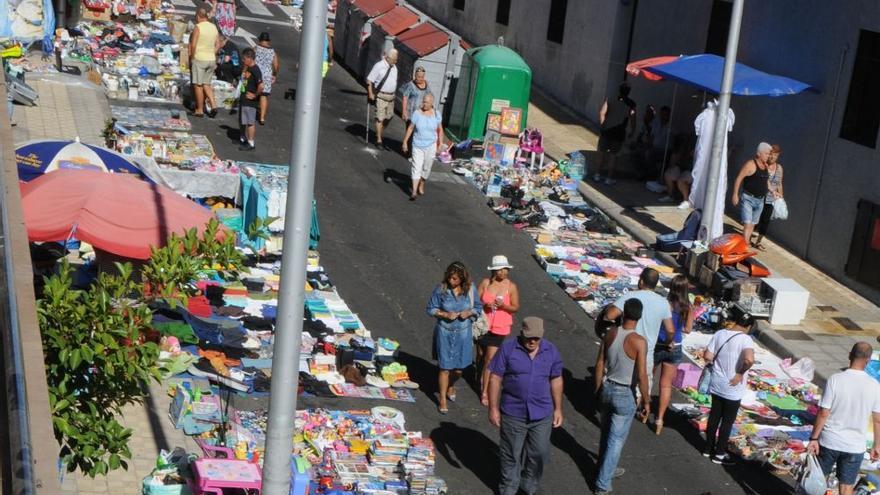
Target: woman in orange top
x,y
500,298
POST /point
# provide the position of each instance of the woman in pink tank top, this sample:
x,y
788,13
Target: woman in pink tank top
x,y
500,298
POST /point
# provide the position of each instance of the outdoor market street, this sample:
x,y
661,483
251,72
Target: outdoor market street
x,y
385,254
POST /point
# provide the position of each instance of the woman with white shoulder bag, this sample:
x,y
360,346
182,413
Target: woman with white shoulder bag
x,y
729,356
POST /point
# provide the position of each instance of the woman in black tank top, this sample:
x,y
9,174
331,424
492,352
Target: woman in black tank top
x,y
756,184
753,182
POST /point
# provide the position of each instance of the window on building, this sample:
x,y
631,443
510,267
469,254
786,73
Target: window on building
x,y
502,15
458,4
861,119
556,26
719,27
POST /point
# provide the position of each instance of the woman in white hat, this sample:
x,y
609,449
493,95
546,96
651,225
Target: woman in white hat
x,y
500,298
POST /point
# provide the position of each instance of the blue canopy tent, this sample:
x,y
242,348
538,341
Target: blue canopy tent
x,y
35,158
705,71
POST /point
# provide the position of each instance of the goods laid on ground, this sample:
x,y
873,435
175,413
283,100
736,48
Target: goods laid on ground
x,y
596,262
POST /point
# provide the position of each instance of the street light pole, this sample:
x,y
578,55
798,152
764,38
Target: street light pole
x,y
291,293
720,133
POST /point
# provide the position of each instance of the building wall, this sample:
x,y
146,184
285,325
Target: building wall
x,y
578,72
810,40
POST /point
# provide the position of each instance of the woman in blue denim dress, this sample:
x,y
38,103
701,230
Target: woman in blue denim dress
x,y
454,304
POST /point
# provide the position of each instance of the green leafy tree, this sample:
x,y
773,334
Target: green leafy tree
x,y
97,362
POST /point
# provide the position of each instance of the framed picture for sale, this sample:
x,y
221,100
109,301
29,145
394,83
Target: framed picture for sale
x,y
493,122
511,120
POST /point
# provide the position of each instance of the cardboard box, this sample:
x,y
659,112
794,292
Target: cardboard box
x,y
96,15
696,259
713,261
706,275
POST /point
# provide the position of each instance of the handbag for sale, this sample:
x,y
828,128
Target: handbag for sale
x,y
780,209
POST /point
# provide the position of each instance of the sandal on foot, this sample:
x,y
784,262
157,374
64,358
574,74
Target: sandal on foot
x,y
451,396
484,399
442,410
658,426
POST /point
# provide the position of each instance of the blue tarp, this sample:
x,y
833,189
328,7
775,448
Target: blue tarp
x,y
704,72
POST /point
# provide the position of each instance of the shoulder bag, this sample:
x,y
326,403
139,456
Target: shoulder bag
x,y
480,326
706,376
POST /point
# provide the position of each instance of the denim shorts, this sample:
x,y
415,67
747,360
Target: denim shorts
x,y
847,464
750,208
663,355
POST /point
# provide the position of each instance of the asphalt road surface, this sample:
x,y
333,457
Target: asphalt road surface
x,y
386,254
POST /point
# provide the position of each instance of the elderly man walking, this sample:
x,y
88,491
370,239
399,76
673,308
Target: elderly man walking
x,y
851,397
525,401
381,86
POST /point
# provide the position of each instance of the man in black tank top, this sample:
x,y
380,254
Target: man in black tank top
x,y
753,180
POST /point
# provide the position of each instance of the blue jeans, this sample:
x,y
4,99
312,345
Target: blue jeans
x,y
618,407
847,464
750,208
524,447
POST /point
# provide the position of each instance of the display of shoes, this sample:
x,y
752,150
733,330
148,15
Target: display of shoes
x,y
377,382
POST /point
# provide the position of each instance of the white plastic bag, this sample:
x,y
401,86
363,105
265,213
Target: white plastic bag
x,y
811,479
780,209
803,369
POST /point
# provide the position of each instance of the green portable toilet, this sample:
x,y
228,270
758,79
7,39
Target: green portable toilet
x,y
492,77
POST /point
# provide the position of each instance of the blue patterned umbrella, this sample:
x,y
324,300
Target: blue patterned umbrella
x,y
35,158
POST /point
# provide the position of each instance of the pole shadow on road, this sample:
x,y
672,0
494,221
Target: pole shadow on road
x,y
579,392
469,449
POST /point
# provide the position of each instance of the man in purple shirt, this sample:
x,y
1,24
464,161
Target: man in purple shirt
x,y
525,401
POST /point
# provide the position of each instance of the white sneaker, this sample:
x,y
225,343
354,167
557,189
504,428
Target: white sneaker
x,y
684,205
597,178
610,182
666,199
377,382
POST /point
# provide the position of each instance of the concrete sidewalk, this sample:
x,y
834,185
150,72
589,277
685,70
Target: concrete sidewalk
x,y
837,317
70,107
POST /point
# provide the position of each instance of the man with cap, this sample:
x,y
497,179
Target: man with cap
x,y
753,178
525,401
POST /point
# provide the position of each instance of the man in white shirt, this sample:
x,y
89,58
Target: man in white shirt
x,y
850,398
381,87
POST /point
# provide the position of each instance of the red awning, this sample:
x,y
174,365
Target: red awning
x,y
374,7
397,20
635,68
114,212
424,39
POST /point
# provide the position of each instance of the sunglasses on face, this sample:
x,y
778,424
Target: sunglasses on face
x,y
532,339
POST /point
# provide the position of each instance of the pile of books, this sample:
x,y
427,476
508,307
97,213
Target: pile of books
x,y
419,461
388,451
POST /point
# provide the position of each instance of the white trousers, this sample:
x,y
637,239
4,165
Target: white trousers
x,y
421,161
